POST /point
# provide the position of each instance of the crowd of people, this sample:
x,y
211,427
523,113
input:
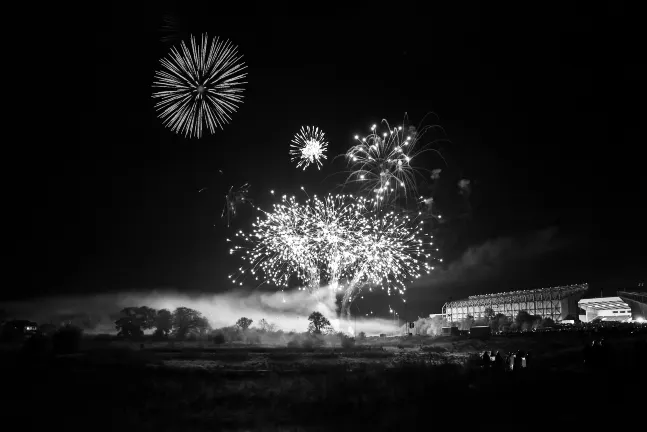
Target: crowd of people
x,y
510,362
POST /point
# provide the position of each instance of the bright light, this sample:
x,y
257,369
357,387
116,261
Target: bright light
x,y
309,147
380,158
198,86
640,320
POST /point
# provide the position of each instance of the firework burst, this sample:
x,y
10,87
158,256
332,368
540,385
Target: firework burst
x,y
309,242
309,147
382,162
199,86
340,240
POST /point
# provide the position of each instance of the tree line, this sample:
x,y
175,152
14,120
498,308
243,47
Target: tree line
x,y
180,323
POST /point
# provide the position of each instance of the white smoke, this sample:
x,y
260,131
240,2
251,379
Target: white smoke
x,y
288,310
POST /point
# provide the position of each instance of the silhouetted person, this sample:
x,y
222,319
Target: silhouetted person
x,y
528,355
517,361
509,361
486,360
498,362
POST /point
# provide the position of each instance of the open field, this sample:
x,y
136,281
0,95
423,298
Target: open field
x,y
380,385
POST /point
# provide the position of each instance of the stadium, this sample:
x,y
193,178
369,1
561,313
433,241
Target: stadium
x,y
558,303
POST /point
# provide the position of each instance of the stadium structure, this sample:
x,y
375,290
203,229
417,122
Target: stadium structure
x,y
558,303
625,307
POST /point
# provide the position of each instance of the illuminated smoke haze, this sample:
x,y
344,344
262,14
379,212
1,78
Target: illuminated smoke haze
x,y
288,310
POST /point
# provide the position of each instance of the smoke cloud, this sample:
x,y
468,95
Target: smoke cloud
x,y
492,259
289,311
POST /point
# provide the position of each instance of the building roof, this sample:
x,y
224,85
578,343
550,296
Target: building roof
x,y
553,293
603,303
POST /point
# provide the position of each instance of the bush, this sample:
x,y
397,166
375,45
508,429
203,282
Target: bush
x,y
218,338
347,342
361,336
308,344
67,340
293,344
253,338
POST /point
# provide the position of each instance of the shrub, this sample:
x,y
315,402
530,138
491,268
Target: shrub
x,y
361,336
308,344
67,339
218,338
347,342
253,338
293,344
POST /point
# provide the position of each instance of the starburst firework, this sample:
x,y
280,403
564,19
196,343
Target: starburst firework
x,y
337,239
199,86
382,161
309,147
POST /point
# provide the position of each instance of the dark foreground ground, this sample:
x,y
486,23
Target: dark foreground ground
x,y
203,388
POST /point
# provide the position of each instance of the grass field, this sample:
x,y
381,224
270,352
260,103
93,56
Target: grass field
x,y
379,385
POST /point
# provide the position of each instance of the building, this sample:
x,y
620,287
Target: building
x,y
604,309
637,301
557,303
17,328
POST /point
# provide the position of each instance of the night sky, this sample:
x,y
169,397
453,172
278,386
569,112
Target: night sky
x,y
543,109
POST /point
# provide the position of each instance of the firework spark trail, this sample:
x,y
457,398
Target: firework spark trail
x,y
309,147
201,85
340,238
382,162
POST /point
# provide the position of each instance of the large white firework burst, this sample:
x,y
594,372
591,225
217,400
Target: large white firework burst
x,y
309,147
199,86
309,242
343,241
382,162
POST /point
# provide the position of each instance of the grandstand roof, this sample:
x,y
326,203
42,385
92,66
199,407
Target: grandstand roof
x,y
531,291
603,303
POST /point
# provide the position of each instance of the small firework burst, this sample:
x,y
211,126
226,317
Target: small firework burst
x,y
382,162
309,147
199,86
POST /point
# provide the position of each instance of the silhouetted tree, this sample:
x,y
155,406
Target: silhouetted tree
x,y
265,326
499,322
134,320
244,323
361,336
547,322
318,323
467,322
489,314
163,322
186,320
47,329
526,321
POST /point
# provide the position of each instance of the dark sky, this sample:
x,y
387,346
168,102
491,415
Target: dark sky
x,y
543,108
